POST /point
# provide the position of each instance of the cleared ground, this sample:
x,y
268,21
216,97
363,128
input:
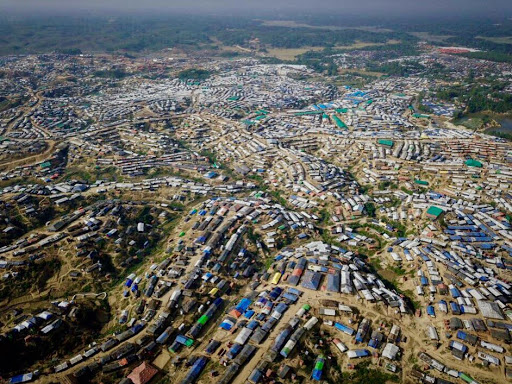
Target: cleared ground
x,y
294,24
361,72
292,53
362,44
429,37
497,40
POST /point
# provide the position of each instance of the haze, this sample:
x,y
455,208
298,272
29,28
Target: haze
x,y
383,8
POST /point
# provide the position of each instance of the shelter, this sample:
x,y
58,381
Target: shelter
x,y
143,373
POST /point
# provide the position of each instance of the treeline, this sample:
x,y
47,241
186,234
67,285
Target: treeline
x,y
491,56
502,135
74,35
407,47
482,34
194,74
396,68
284,37
101,34
319,61
478,98
69,51
500,103
114,74
323,61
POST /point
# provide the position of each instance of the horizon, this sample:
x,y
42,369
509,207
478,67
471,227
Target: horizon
x,y
345,8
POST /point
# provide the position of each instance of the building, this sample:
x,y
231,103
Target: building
x,y
390,351
434,212
143,373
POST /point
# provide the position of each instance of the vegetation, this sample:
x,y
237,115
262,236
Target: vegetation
x,y
210,155
73,35
324,215
17,353
284,37
257,178
364,375
398,270
69,51
194,74
491,56
383,185
280,199
114,74
503,135
35,275
370,209
396,68
478,96
253,236
8,103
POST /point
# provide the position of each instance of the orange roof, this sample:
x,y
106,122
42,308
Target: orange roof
x,y
143,373
235,313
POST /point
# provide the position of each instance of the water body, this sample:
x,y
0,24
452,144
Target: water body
x,y
506,125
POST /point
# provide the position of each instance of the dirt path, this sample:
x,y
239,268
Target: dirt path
x,y
8,165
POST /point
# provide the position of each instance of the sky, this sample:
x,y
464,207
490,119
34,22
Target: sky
x,y
381,8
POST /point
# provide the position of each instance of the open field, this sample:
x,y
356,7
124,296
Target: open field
x,y
361,72
497,40
362,44
294,24
292,53
223,49
433,38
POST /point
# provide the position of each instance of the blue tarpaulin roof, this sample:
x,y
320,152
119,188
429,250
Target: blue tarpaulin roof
x,y
21,378
243,305
311,280
249,314
333,282
344,328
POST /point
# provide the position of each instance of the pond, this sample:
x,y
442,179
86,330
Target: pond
x,y
506,125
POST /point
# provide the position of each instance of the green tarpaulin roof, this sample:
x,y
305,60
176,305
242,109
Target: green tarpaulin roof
x,y
388,143
305,113
434,211
473,163
338,122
